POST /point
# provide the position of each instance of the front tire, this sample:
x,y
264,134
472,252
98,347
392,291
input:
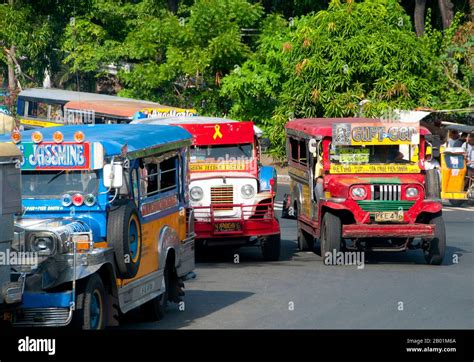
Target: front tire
x,y
305,240
91,305
331,231
271,247
435,248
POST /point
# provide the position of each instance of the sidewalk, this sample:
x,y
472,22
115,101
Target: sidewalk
x,y
281,168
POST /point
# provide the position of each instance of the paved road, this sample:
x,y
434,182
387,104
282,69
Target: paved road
x,y
395,291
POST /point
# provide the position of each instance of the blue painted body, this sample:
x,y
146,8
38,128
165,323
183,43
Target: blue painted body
x,y
113,138
47,300
267,173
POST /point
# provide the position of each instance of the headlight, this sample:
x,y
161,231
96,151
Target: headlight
x,y
89,200
66,200
358,193
196,193
248,191
411,192
42,243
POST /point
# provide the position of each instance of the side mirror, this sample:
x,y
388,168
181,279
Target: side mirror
x,y
313,146
264,144
113,175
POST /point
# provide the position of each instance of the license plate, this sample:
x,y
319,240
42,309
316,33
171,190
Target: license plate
x,y
393,216
227,226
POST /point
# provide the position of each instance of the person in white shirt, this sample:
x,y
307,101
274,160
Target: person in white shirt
x,y
469,147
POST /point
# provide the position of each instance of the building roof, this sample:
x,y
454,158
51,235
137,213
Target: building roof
x,y
114,137
124,108
184,120
323,126
64,96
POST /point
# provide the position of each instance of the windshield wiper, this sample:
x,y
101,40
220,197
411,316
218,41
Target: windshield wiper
x,y
55,177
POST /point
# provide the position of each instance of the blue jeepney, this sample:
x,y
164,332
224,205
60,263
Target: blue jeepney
x,y
106,221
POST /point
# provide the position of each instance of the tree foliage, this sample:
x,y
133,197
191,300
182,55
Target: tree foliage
x,y
265,60
327,63
179,59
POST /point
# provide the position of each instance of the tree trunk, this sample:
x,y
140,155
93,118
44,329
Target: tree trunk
x,y
420,6
471,5
11,70
447,12
173,5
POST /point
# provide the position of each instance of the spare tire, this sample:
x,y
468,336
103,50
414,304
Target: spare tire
x,y
124,234
432,184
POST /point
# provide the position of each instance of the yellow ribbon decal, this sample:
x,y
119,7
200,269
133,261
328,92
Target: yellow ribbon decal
x,y
218,132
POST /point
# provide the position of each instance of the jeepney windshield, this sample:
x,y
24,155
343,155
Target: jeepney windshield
x,y
226,153
53,184
373,154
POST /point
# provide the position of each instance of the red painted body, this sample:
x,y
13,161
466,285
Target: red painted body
x,y
262,222
232,133
338,199
253,221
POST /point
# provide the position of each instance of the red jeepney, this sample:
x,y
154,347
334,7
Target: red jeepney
x,y
231,193
361,183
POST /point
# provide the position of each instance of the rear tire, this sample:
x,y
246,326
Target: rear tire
x,y
331,231
457,203
436,247
271,245
305,240
155,309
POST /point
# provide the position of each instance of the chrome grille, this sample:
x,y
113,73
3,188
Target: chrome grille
x,y
386,192
43,317
222,195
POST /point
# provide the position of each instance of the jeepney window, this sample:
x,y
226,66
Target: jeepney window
x,y
294,149
53,184
303,152
299,151
376,154
158,176
221,153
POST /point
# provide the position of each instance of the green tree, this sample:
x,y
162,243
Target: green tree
x,y
326,63
25,39
175,58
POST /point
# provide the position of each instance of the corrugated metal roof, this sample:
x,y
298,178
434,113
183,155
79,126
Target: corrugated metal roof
x,y
184,120
64,96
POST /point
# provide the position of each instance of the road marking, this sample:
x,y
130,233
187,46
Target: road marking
x,y
453,208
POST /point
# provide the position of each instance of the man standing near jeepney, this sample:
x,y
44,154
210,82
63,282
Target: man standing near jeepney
x,y
469,147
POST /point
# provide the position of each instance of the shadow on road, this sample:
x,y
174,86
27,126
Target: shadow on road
x,y
452,256
198,304
246,254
